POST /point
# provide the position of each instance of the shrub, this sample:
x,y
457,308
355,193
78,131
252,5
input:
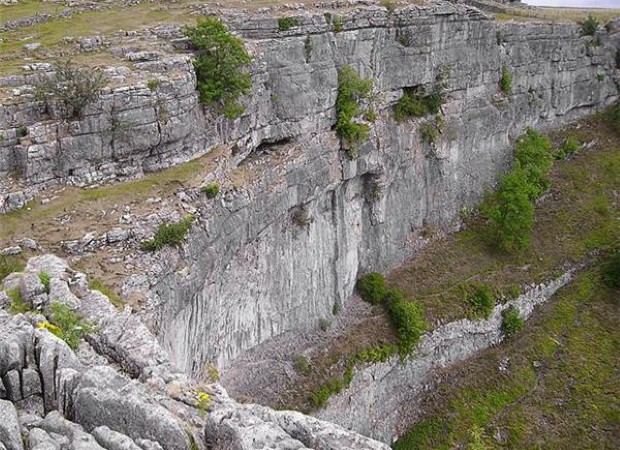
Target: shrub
x,y
511,216
302,365
351,89
610,270
480,298
18,304
511,321
220,65
10,264
505,81
71,326
337,21
286,23
98,285
71,87
171,234
211,190
409,105
372,287
510,210
408,319
45,280
533,153
377,353
589,26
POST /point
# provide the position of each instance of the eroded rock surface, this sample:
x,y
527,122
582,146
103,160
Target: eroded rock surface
x,y
80,404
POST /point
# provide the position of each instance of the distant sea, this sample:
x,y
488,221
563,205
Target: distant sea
x,y
576,3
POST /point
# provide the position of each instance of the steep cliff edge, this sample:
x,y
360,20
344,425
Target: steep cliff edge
x,y
250,272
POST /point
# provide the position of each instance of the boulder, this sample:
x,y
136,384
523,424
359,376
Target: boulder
x,y
10,434
39,439
113,440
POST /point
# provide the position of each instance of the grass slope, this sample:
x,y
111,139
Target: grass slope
x,y
559,387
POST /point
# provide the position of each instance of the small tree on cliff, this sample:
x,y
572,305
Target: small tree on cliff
x,y
70,88
220,74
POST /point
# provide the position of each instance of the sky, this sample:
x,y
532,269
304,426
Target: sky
x,y
581,3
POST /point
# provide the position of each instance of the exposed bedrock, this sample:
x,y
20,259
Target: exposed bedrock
x,y
53,397
252,269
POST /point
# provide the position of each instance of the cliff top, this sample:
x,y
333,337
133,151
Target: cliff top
x,y
34,31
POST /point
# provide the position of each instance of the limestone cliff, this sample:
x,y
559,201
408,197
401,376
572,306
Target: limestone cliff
x,y
249,271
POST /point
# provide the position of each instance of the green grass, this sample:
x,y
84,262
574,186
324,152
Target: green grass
x,y
168,234
18,304
10,264
45,280
561,389
154,184
70,325
98,285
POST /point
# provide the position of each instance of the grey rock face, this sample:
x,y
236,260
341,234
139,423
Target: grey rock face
x,y
250,273
10,434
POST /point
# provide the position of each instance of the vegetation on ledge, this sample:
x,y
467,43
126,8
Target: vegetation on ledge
x,y
351,91
220,66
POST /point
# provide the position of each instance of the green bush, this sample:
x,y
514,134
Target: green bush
x,y
480,298
45,280
505,81
511,217
171,234
510,210
589,26
533,154
416,103
337,21
570,145
431,129
511,321
351,89
71,326
286,23
372,287
220,65
610,270
211,190
409,105
9,265
408,319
